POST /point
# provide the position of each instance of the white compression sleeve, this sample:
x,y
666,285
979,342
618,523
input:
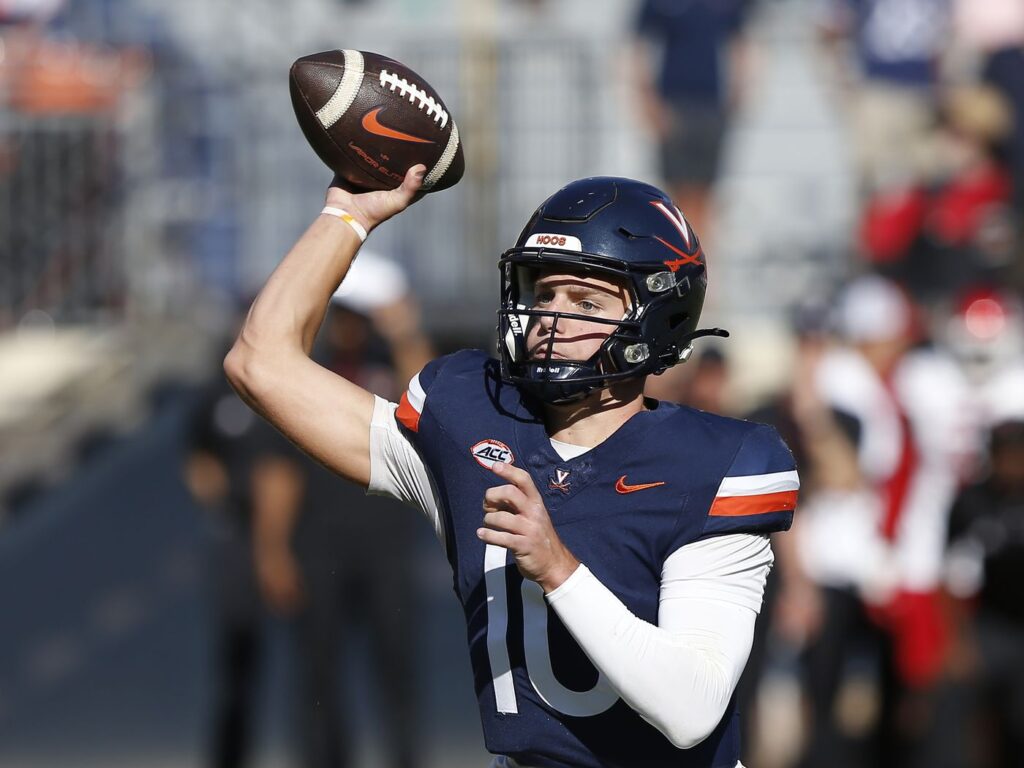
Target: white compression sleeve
x,y
680,675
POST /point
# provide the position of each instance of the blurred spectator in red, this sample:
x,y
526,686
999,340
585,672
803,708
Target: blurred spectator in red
x,y
691,66
896,46
882,548
959,229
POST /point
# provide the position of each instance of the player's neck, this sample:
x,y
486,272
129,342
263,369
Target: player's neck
x,y
594,419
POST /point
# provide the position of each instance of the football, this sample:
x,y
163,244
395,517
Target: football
x,y
371,118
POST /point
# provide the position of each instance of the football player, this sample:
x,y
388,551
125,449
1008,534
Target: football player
x,y
609,551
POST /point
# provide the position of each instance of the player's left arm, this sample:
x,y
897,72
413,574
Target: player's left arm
x,y
679,675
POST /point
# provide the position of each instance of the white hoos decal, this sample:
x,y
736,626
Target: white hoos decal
x,y
565,242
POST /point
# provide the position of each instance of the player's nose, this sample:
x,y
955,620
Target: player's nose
x,y
549,324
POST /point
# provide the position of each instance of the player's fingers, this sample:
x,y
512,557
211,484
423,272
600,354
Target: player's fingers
x,y
502,520
499,538
507,497
520,478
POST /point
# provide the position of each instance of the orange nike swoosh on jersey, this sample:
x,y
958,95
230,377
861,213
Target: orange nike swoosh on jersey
x,y
373,125
622,487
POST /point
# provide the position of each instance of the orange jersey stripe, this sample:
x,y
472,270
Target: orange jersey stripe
x,y
408,415
737,506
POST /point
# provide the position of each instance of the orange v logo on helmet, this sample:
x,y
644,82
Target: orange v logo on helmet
x,y
373,125
621,486
686,258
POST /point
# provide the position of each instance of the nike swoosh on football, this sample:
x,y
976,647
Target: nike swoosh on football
x,y
373,125
622,487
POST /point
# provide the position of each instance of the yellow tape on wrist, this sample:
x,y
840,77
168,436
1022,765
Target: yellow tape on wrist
x,y
349,219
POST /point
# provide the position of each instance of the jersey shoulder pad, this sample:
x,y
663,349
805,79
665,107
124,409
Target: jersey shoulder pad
x,y
758,493
425,387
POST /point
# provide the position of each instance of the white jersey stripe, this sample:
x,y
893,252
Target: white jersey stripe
x,y
416,396
755,485
346,92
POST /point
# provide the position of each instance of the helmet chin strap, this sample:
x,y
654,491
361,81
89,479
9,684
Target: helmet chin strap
x,y
720,332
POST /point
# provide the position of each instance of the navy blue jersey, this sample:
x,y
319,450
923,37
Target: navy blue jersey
x,y
669,476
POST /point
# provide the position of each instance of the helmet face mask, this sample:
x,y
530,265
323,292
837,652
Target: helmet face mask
x,y
617,230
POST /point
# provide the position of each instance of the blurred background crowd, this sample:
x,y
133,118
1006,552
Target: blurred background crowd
x,y
181,588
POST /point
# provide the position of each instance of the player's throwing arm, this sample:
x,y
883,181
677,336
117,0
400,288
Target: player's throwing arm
x,y
389,139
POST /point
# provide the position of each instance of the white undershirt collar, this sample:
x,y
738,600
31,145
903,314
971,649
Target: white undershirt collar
x,y
567,451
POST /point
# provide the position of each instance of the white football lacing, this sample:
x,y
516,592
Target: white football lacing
x,y
404,87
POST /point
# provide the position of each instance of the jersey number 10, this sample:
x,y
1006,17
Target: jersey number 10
x,y
535,646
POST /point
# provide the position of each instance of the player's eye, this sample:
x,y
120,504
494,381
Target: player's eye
x,y
588,306
544,297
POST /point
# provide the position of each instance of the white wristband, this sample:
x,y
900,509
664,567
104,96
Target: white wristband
x,y
349,219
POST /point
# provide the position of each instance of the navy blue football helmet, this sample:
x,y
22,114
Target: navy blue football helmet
x,y
619,229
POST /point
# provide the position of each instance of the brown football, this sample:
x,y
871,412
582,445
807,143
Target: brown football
x,y
371,118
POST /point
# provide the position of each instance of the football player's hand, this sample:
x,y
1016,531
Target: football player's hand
x,y
373,208
515,518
